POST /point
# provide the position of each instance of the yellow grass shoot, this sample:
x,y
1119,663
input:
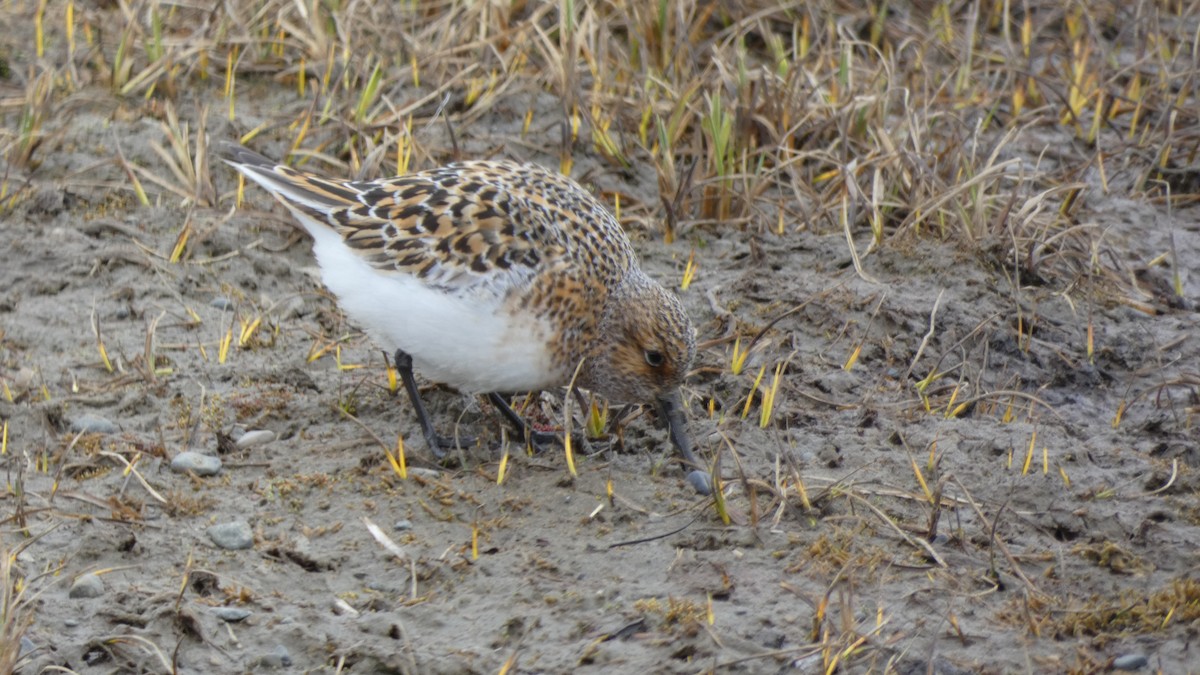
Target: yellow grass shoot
x,y
223,349
181,242
99,347
392,384
398,461
769,396
719,500
597,419
502,471
70,24
738,360
230,60
248,329
853,358
953,398
689,271
404,148
569,453
1029,454
753,388
37,26
921,480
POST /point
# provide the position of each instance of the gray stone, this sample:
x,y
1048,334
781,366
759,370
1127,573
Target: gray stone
x,y
231,614
27,648
403,525
93,424
256,437
232,536
277,658
197,463
86,586
1130,662
222,303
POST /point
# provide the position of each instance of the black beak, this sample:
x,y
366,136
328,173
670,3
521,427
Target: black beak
x,y
672,411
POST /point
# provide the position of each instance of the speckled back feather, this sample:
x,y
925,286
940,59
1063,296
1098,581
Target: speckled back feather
x,y
463,225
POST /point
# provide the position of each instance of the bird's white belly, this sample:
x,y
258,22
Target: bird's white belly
x,y
469,342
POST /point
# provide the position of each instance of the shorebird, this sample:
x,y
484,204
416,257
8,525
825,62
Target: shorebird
x,y
490,277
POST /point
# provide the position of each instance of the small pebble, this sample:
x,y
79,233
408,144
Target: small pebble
x,y
93,424
278,658
939,539
232,536
700,482
197,463
231,614
86,586
70,623
403,525
27,647
1130,662
222,303
256,437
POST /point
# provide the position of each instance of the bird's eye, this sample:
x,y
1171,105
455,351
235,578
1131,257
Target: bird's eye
x,y
654,359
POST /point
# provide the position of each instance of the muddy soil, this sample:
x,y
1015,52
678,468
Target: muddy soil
x,y
1041,521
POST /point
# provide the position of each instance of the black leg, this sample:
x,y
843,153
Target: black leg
x,y
438,444
539,439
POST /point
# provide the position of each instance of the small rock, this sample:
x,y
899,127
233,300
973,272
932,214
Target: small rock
x,y
197,463
830,455
232,536
1130,662
278,658
939,539
28,647
343,608
93,424
403,525
222,303
700,482
256,437
231,614
86,586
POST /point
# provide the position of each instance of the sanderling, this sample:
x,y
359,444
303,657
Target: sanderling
x,y
492,276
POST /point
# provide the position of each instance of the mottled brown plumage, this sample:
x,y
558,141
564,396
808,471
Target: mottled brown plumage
x,y
493,276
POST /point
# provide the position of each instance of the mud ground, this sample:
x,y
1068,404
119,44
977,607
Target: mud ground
x,y
1087,554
